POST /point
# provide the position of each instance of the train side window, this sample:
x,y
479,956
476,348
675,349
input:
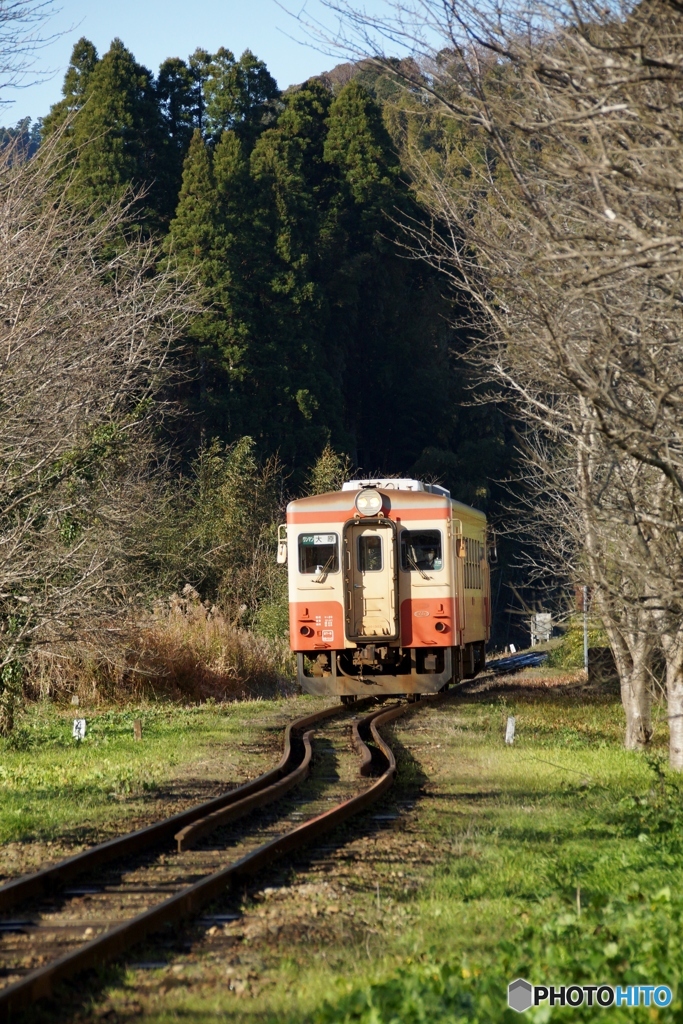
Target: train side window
x,y
318,552
370,553
421,550
474,552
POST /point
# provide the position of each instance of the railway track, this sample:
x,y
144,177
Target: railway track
x,y
91,908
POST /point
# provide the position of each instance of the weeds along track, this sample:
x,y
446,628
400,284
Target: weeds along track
x,y
90,908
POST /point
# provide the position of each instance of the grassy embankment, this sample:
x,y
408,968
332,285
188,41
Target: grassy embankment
x,y
558,859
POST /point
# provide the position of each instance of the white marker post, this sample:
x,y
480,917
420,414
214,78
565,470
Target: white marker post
x,y
510,731
79,729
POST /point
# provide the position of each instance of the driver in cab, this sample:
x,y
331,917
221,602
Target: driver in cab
x,y
428,559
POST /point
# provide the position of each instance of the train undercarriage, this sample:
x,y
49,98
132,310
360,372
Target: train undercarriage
x,y
375,669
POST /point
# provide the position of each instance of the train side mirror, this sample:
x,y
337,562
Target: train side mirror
x,y
282,544
493,549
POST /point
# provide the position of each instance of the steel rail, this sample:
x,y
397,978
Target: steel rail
x,y
196,830
64,871
362,748
186,904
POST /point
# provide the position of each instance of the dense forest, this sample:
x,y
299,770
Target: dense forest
x,y
316,326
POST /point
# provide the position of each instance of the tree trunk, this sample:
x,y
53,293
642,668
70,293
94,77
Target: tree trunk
x,y
6,717
673,654
636,697
628,625
9,697
632,651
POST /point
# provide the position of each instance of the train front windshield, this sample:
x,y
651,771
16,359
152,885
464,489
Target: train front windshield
x,y
318,552
421,550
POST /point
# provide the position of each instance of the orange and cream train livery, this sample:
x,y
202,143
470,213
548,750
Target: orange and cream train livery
x,y
388,588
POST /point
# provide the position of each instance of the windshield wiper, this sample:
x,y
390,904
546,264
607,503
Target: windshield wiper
x,y
322,576
416,567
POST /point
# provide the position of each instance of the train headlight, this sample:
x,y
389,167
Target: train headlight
x,y
369,502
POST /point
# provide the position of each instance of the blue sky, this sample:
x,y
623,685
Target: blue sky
x,y
156,29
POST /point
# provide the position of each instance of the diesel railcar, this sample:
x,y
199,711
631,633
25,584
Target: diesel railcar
x,y
389,589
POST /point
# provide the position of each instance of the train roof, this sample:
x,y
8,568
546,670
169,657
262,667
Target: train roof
x,y
395,484
338,503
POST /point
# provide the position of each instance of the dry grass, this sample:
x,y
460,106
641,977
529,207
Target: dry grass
x,y
185,650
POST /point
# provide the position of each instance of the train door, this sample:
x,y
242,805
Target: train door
x,y
459,551
371,581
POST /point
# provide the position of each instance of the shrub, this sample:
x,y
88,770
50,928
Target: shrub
x,y
185,650
569,652
272,620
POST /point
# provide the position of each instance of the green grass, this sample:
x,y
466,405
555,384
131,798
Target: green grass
x,y
53,787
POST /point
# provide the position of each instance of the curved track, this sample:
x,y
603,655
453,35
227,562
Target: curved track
x,y
188,828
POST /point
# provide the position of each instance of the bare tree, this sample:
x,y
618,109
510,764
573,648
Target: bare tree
x,y
22,33
86,322
569,509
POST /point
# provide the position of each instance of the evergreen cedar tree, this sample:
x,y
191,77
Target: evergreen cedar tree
x,y
315,327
